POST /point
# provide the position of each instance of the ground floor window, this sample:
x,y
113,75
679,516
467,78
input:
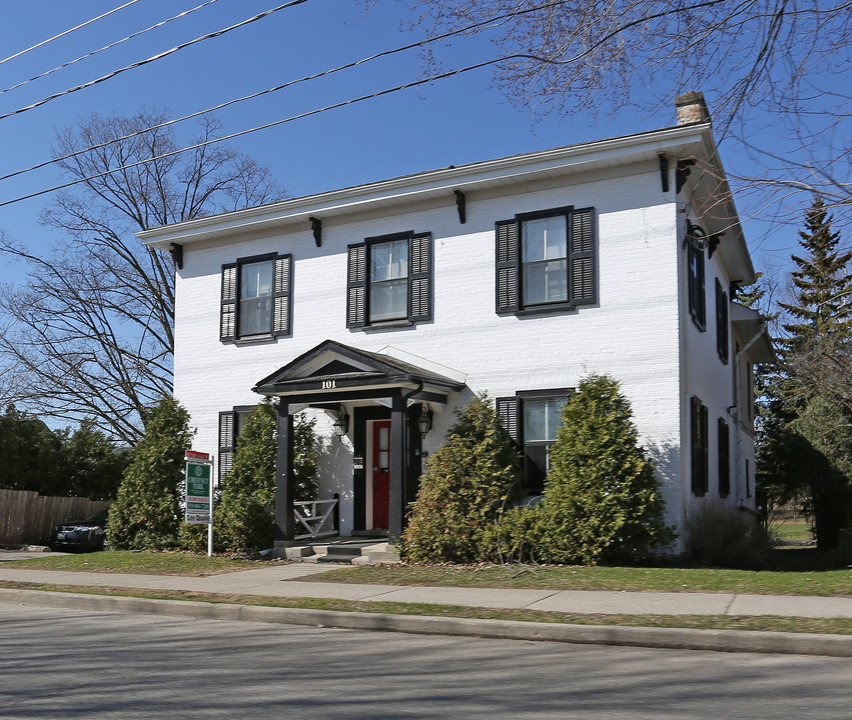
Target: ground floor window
x,y
532,418
231,423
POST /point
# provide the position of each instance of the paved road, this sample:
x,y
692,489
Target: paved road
x,y
73,664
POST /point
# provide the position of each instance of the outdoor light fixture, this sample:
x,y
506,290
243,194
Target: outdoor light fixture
x,y
424,422
341,424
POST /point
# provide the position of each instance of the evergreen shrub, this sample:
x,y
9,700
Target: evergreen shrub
x,y
146,514
602,500
469,482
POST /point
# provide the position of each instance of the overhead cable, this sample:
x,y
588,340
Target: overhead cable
x,y
158,56
107,47
56,37
306,78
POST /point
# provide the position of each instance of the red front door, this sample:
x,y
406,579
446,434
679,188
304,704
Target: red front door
x,y
381,473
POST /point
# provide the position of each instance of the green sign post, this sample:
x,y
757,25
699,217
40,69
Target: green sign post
x,y
199,493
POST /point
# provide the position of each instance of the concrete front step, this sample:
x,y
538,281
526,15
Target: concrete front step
x,y
345,552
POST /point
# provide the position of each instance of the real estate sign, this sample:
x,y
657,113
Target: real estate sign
x,y
198,509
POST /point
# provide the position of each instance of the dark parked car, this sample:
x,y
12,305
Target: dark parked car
x,y
88,534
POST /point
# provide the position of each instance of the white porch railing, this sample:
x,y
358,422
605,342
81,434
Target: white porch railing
x,y
312,516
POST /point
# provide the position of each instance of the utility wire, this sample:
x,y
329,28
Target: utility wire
x,y
56,37
380,93
106,47
306,78
158,56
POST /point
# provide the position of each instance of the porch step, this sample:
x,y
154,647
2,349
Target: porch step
x,y
345,551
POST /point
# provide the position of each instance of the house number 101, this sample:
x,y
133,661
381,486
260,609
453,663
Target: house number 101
x,y
329,384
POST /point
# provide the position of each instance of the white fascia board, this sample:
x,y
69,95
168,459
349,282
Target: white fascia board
x,y
567,160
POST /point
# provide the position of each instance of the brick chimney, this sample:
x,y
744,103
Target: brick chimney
x,y
691,108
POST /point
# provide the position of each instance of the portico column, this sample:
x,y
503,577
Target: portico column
x,y
397,466
285,527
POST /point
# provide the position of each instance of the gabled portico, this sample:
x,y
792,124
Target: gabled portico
x,y
381,392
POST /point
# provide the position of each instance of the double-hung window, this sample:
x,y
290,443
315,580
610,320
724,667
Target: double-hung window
x,y
256,298
695,279
546,261
231,424
532,418
699,446
721,322
390,281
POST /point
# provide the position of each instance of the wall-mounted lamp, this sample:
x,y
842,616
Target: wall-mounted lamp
x,y
341,425
424,422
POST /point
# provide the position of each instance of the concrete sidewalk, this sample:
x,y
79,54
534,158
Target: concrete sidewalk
x,y
283,581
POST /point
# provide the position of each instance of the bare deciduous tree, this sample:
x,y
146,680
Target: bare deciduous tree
x,y
788,58
90,331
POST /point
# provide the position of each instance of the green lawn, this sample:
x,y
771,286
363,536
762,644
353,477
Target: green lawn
x,y
805,579
827,582
146,563
791,531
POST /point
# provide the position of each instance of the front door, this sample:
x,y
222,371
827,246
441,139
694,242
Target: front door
x,y
381,473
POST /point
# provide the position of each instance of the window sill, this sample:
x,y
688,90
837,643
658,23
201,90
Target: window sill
x,y
546,309
388,325
254,340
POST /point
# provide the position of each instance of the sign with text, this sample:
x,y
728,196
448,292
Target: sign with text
x,y
198,505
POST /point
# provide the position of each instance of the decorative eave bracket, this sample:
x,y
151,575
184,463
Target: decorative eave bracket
x,y
176,251
461,205
316,228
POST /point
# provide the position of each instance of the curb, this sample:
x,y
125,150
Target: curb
x,y
672,638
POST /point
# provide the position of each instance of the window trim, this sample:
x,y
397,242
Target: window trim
x,y
420,291
723,453
699,447
228,438
696,277
280,316
722,333
581,262
511,412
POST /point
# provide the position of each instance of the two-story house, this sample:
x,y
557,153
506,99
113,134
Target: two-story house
x,y
383,308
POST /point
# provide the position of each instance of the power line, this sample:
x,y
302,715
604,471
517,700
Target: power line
x,y
107,47
158,56
306,78
380,93
62,34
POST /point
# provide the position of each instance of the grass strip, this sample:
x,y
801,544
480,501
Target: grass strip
x,y
828,583
834,626
139,563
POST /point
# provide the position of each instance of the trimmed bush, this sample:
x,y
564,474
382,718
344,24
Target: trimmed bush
x,y
146,514
469,481
602,500
244,521
723,537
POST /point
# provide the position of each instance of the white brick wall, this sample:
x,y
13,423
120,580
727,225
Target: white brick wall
x,y
633,333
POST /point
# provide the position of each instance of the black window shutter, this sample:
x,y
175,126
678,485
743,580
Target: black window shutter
x,y
507,411
356,288
281,311
228,317
724,458
420,277
721,322
508,279
698,430
226,443
581,257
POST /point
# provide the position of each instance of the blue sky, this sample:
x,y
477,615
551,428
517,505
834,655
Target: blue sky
x,y
449,122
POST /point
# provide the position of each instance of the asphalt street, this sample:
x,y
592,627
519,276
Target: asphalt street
x,y
61,663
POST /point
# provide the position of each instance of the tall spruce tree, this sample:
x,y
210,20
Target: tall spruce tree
x,y
805,458
817,343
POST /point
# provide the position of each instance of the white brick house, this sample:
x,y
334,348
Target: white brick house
x,y
517,276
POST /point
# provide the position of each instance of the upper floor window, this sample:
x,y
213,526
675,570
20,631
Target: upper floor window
x,y
532,418
390,280
546,261
695,276
721,322
256,298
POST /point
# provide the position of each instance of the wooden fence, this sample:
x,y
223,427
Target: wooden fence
x,y
26,518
